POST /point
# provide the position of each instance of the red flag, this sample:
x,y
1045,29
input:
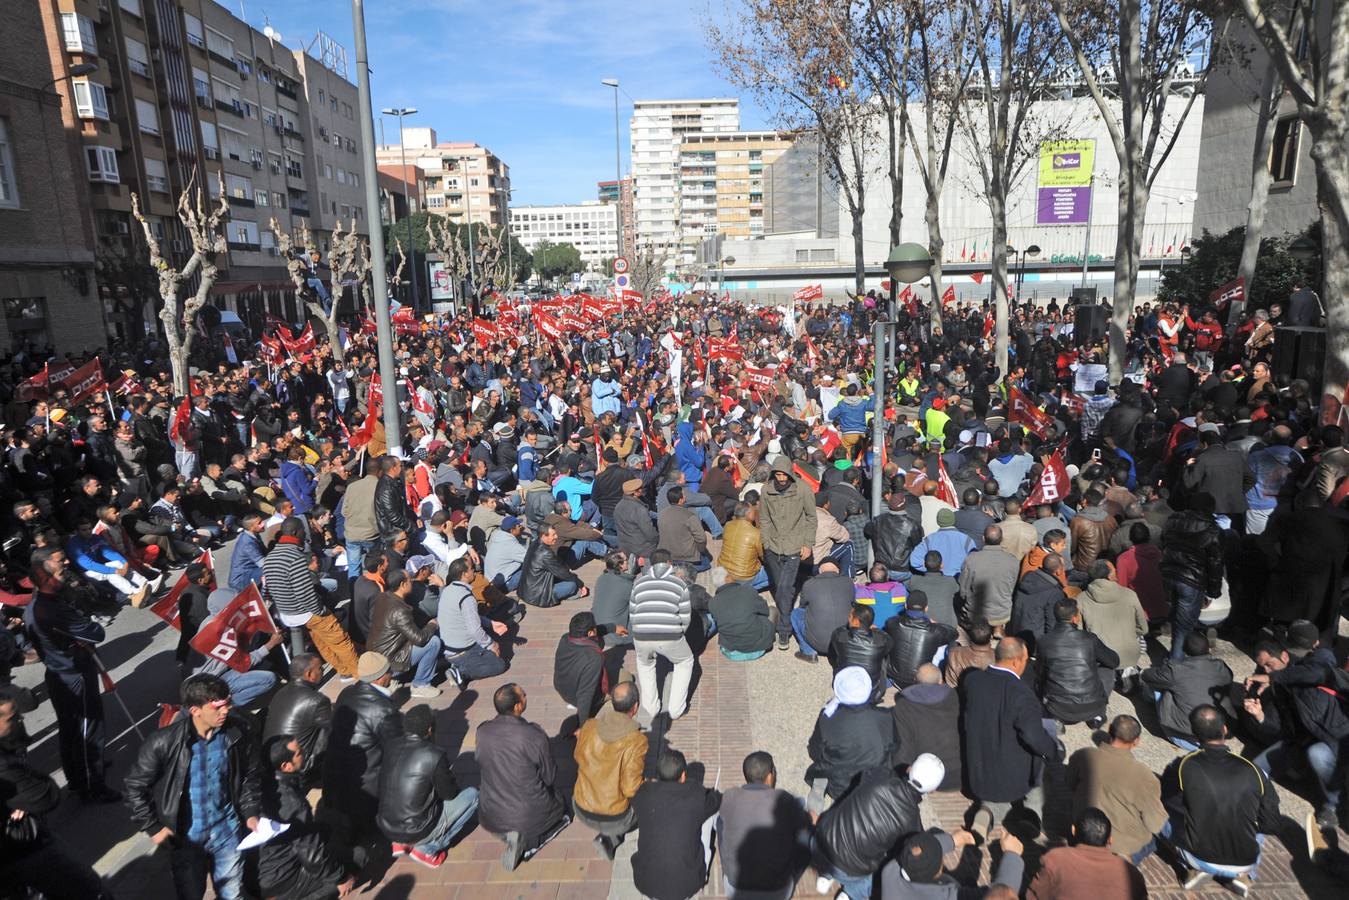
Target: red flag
x,y
167,606
302,344
948,295
125,384
403,314
86,380
908,299
946,488
1232,292
885,284
962,250
808,293
978,277
375,396
485,331
724,348
761,378
1020,409
1053,484
570,321
812,354
419,403
361,436
227,635
801,472
270,351
34,388
182,421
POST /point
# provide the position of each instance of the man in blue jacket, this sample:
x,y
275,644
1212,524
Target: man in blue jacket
x,y
689,454
246,560
952,543
850,414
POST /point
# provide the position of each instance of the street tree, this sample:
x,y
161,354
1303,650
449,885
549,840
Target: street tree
x,y
1310,51
126,276
201,221
346,262
1216,259
798,59
646,268
883,41
1130,56
553,261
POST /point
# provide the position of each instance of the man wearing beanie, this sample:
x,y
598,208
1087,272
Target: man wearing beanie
x,y
952,543
364,717
918,873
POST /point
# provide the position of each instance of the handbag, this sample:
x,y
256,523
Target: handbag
x,y
23,831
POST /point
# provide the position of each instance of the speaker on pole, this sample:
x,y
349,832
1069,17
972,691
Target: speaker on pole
x,y
1299,352
1089,324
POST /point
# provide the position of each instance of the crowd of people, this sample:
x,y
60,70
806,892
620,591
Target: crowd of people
x,y
1045,539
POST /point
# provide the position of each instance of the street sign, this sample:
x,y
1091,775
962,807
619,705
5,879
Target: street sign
x,y
621,282
620,265
575,277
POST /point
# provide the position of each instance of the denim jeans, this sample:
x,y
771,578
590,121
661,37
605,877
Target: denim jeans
x,y
477,663
1173,826
564,589
842,554
799,629
709,519
218,855
454,817
245,687
579,550
424,661
1321,758
1186,602
356,551
857,887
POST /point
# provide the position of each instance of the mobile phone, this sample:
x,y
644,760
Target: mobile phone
x,y
1096,455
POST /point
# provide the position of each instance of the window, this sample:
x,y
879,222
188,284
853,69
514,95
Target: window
x,y
131,6
347,111
219,44
243,65
264,74
278,200
346,211
322,96
435,201
333,103
353,180
137,57
201,84
195,34
267,239
274,163
91,99
147,117
1284,150
78,32
293,168
238,187
156,175
102,164
208,137
341,176
327,170
260,198
9,187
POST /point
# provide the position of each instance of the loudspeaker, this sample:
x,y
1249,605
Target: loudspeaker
x,y
1084,295
1090,325
1299,352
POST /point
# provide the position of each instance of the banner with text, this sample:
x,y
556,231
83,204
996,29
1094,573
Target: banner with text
x,y
1064,194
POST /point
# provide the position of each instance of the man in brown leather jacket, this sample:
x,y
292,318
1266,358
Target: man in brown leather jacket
x,y
394,633
1091,529
610,752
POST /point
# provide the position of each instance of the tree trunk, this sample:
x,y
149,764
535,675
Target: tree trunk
x,y
1261,178
1133,202
169,315
936,245
1330,153
898,137
998,210
859,249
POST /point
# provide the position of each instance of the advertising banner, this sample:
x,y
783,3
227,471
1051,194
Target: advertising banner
x,y
1064,191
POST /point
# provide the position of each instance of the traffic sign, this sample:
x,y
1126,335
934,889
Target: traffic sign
x,y
575,277
620,265
621,282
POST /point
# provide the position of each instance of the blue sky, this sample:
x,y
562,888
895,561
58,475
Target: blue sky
x,y
521,77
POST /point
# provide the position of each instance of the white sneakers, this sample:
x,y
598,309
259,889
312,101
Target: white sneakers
x,y
424,692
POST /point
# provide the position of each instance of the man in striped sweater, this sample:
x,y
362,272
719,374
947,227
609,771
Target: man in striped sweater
x,y
288,574
658,617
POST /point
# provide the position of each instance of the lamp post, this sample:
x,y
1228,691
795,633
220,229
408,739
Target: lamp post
x,y
400,112
721,278
468,223
618,160
907,263
1033,251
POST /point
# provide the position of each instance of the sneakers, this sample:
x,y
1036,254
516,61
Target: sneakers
x,y
824,885
138,598
1316,839
981,823
1095,722
345,679
514,851
424,692
431,862
452,673
807,657
1327,818
1241,885
1195,880
399,849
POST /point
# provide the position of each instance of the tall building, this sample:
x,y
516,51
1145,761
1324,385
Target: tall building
x,y
400,192
47,280
657,129
721,183
187,93
591,227
620,192
463,181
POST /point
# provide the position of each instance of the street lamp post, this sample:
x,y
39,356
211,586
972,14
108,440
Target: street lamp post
x,y
618,160
907,263
403,153
721,278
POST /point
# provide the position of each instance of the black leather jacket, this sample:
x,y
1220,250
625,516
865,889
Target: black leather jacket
x,y
861,647
391,507
1192,551
914,640
539,572
302,712
859,832
414,782
156,786
301,848
363,719
893,537
1066,660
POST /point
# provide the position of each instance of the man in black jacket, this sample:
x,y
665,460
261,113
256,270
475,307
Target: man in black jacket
x,y
1192,566
826,600
520,801
851,735
296,864
855,836
637,534
674,832
895,533
578,667
302,711
544,580
421,808
364,718
391,500
1221,472
1034,599
860,643
927,720
1222,806
1075,670
915,639
194,786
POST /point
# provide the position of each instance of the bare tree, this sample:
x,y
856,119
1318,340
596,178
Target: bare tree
x,y
296,252
1141,48
453,254
798,57
489,251
1261,179
647,266
202,223
1017,50
884,40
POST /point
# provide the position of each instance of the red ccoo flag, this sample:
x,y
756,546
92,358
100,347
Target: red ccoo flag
x,y
167,606
946,488
1020,409
908,299
1232,292
808,293
226,636
948,295
1053,484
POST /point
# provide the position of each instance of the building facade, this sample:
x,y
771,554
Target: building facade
x,y
591,227
48,295
400,192
463,181
721,183
657,130
620,192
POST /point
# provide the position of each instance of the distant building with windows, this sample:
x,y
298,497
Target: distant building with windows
x,y
463,181
591,227
620,192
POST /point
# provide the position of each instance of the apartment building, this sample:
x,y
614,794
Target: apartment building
x,y
620,193
400,192
462,180
657,130
47,281
591,227
721,183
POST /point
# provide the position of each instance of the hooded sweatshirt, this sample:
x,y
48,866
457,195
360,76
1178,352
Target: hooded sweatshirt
x,y
690,457
786,517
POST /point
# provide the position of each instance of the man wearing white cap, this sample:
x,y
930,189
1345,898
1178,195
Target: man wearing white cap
x,y
850,737
856,836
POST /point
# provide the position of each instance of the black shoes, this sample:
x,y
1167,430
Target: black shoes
x,y
1095,722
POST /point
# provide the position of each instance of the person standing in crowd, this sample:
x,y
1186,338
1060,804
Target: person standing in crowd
x,y
658,618
787,523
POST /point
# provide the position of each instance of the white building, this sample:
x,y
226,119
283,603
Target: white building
x,y
591,227
656,130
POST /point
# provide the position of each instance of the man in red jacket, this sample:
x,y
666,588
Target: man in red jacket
x,y
1208,336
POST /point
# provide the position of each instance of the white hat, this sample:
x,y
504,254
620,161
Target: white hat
x,y
966,436
926,773
852,687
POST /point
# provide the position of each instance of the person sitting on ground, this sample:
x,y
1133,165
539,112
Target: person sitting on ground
x,y
953,545
256,679
826,599
744,622
1088,867
302,711
421,806
544,580
610,754
977,653
851,735
470,639
917,873
1075,671
939,589
1109,778
763,834
1181,685
988,579
675,819
410,650
1033,602
505,557
297,863
927,720
1112,613
578,667
612,599
915,639
885,597
861,643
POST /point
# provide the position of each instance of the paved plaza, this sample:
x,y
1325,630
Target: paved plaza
x,y
769,704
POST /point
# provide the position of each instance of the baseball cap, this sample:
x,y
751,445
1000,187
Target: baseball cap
x,y
926,773
509,522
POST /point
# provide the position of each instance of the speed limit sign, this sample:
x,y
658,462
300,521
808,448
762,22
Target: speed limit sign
x,y
620,265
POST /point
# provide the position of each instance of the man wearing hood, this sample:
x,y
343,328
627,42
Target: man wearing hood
x,y
787,525
689,454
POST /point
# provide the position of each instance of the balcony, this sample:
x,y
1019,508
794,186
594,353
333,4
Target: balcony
x,y
241,246
204,100
285,91
231,106
240,201
292,133
222,59
299,210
